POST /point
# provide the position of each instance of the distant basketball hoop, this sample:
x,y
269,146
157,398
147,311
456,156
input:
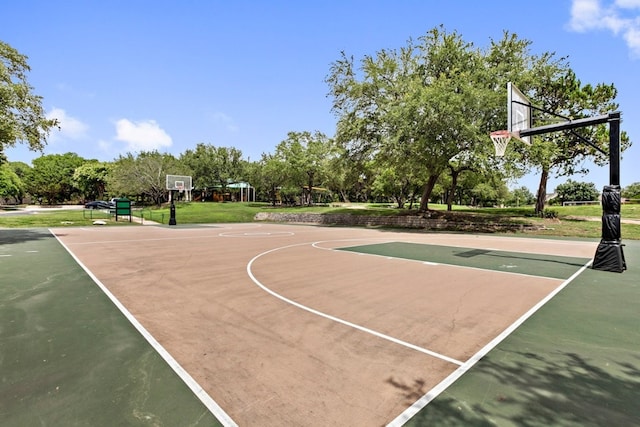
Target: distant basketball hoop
x,y
180,183
183,185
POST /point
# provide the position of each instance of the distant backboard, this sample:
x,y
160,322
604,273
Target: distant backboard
x,y
179,182
518,112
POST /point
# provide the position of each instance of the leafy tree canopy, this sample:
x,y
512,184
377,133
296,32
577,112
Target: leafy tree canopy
x,y
305,157
91,179
631,191
213,166
10,184
143,174
52,177
572,191
22,118
427,106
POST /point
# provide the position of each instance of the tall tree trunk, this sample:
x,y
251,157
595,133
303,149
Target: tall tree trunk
x,y
310,184
426,193
542,192
452,190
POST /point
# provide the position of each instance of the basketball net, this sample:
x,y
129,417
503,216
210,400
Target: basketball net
x,y
500,140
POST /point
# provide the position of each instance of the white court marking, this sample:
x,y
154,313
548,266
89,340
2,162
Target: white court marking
x,y
442,386
257,234
316,245
204,397
462,366
337,319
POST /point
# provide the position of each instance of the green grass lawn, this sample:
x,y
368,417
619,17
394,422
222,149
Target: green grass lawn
x,y
58,218
570,222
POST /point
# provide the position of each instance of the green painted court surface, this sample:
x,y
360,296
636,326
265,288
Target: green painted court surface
x,y
68,356
575,362
487,259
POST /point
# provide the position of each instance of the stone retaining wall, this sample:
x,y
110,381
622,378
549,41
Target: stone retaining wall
x,y
406,221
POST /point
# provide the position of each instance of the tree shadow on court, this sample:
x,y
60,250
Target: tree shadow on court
x,y
571,261
558,389
13,236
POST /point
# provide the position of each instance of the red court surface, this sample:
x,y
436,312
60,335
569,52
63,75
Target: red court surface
x,y
280,329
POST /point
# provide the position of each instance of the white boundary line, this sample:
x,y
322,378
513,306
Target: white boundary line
x,y
438,263
442,386
200,393
337,319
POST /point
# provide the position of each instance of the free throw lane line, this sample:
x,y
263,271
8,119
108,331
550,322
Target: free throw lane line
x,y
337,319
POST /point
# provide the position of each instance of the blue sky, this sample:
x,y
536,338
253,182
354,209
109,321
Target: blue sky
x,y
126,76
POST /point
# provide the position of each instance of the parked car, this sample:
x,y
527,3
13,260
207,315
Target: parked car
x,y
98,204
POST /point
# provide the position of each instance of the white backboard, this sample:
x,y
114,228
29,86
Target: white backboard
x,y
518,112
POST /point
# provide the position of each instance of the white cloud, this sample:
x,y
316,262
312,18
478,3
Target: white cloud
x,y
632,37
628,4
619,16
142,136
70,127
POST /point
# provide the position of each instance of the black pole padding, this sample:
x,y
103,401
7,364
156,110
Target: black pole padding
x,y
614,148
609,255
172,212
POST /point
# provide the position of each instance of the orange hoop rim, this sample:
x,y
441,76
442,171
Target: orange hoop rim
x,y
500,140
500,134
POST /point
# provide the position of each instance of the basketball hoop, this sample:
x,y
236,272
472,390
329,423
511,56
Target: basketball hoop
x,y
500,140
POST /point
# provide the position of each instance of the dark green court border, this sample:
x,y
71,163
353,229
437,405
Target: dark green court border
x,y
488,259
68,356
575,362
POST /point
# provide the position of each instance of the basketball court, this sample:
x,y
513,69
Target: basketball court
x,y
271,324
300,325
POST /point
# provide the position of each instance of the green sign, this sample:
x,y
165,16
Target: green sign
x,y
123,208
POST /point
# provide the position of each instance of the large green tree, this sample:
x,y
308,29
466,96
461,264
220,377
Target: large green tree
x,y
521,196
10,184
143,175
419,106
22,118
559,95
91,179
306,157
52,177
572,191
271,177
345,176
631,191
19,176
214,167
